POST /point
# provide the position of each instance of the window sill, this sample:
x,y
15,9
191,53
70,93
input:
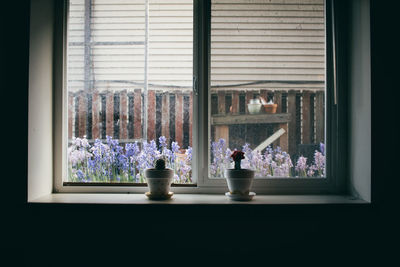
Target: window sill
x,y
196,199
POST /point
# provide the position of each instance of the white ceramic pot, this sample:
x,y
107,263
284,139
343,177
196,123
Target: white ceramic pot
x,y
254,108
255,101
159,181
239,181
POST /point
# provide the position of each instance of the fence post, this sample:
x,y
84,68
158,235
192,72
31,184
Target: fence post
x,y
117,115
319,117
137,103
82,113
95,111
221,131
221,102
292,123
151,115
124,115
179,118
165,115
283,140
306,118
110,113
235,102
131,115
278,101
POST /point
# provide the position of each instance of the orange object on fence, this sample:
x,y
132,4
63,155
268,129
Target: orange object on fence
x,y
270,108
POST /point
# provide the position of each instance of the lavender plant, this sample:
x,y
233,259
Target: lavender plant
x,y
111,162
273,163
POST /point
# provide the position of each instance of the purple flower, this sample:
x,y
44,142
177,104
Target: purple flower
x,y
220,158
132,149
301,166
163,142
322,148
319,163
175,147
189,154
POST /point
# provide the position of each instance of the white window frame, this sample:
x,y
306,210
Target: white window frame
x,y
205,184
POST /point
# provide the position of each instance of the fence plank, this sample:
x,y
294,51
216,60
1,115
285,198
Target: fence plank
x,y
179,118
312,117
103,106
284,139
110,114
117,115
221,131
151,115
131,115
190,118
95,118
292,123
214,104
319,117
278,100
242,103
186,103
82,113
137,126
70,114
89,115
306,118
124,115
235,102
221,102
228,102
165,115
172,118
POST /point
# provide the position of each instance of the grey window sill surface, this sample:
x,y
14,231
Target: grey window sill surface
x,y
195,199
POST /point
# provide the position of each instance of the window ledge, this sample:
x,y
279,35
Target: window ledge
x,y
196,199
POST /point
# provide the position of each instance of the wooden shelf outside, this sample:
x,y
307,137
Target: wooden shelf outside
x,y
250,119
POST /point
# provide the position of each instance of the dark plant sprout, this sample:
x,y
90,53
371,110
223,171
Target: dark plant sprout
x,y
160,164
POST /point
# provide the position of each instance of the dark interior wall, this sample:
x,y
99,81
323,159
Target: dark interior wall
x,y
105,234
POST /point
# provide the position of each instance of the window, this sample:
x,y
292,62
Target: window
x,y
129,89
192,81
268,87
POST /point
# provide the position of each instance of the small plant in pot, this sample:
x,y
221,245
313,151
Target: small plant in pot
x,y
159,180
239,180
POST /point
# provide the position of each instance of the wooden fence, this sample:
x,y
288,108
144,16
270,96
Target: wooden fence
x,y
304,125
119,114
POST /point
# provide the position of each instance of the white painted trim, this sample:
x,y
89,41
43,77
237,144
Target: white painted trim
x,y
196,199
60,96
40,114
360,84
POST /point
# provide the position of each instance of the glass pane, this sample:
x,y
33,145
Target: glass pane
x,y
129,89
268,87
